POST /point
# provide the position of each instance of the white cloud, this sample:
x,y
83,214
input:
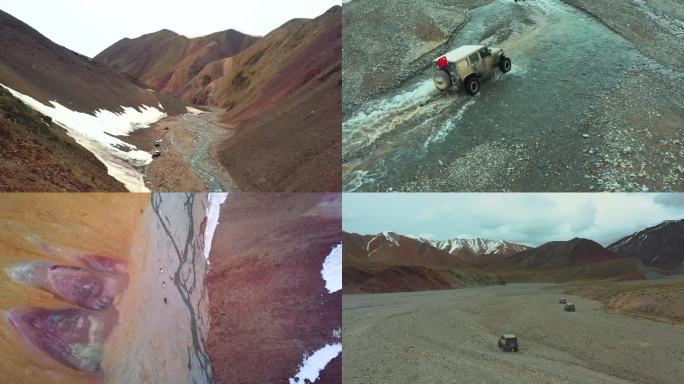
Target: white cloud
x,y
519,217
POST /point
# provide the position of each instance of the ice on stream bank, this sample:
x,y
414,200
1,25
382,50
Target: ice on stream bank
x,y
96,133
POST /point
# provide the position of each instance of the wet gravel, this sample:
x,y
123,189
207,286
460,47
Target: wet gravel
x,y
584,109
655,27
639,144
387,41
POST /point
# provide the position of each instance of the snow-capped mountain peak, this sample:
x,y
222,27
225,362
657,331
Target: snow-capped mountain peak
x,y
479,246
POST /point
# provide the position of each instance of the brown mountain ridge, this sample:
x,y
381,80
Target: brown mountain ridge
x,y
35,66
281,96
388,262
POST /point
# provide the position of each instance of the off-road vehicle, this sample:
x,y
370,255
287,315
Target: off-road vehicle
x,y
466,65
509,343
569,307
156,154
562,300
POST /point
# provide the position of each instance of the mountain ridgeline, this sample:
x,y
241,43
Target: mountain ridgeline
x,y
281,92
660,246
37,154
389,262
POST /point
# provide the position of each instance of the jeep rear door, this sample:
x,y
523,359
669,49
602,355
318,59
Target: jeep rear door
x,y
476,63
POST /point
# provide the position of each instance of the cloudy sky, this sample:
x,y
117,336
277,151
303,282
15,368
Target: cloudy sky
x,y
90,26
530,219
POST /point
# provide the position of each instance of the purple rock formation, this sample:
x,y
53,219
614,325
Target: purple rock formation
x,y
89,260
83,287
75,337
101,263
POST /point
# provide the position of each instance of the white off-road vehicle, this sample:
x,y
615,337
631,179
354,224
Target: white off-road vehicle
x,y
466,65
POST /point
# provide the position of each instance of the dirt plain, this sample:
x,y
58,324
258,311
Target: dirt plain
x,y
450,337
662,302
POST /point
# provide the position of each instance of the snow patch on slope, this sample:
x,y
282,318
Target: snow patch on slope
x,y
124,161
194,111
392,237
213,212
313,364
332,270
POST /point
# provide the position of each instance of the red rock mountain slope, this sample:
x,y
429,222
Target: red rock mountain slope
x,y
268,302
558,261
281,94
35,154
388,262
167,61
391,263
35,66
660,246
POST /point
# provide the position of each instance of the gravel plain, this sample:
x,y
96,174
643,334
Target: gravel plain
x,y
450,337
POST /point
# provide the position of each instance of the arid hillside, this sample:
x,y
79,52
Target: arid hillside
x,y
560,261
388,262
660,246
288,118
269,304
653,300
280,96
167,61
84,105
38,155
35,66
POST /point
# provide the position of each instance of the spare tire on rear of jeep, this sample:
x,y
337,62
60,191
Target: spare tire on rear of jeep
x,y
442,80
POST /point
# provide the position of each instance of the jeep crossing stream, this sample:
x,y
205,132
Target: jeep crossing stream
x,y
525,130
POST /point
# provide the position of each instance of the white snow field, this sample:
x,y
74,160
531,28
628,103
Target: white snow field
x,y
213,212
194,111
332,269
96,133
314,364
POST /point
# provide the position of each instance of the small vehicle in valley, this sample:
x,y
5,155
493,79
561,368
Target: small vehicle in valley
x,y
466,65
508,343
562,300
569,307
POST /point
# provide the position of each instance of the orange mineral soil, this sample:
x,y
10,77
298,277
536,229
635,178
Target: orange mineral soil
x,y
161,318
100,223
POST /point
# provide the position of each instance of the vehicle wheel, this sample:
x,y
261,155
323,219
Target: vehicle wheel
x,y
505,64
442,80
472,85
